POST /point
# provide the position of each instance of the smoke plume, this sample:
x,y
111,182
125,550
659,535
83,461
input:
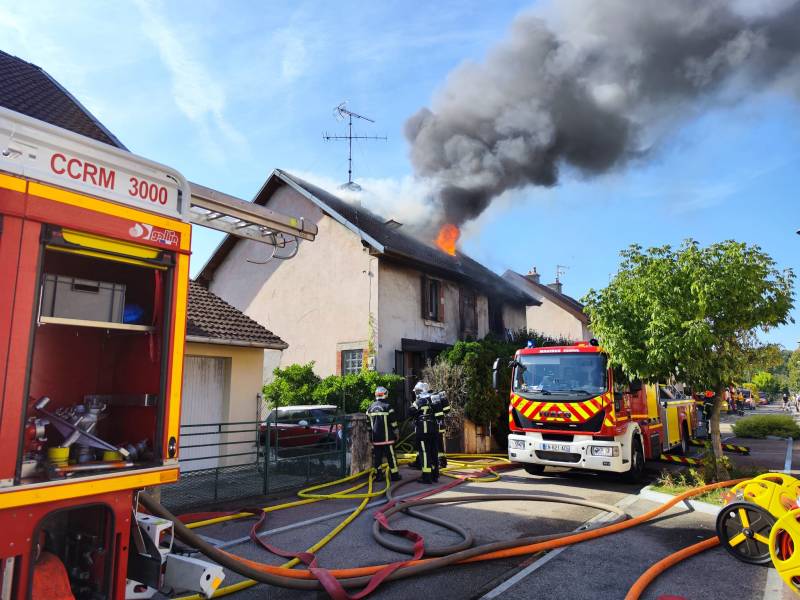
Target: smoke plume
x,y
593,87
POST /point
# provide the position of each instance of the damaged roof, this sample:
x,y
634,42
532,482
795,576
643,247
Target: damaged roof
x,y
383,236
211,319
28,89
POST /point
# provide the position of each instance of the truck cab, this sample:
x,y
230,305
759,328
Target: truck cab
x,y
568,409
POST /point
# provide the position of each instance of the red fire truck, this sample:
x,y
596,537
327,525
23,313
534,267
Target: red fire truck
x,y
94,272
567,410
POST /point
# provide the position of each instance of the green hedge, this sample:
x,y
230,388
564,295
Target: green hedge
x,y
760,426
298,384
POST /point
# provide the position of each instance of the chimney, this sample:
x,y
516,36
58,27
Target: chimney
x,y
533,275
556,286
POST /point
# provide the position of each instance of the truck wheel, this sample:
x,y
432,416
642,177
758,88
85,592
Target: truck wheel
x,y
534,469
636,472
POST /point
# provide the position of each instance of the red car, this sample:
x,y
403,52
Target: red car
x,y
300,425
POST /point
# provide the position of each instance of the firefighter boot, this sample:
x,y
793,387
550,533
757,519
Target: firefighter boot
x,y
426,479
396,477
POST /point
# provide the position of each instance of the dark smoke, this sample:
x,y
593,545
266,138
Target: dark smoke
x,y
595,89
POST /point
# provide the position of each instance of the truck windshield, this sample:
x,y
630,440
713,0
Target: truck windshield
x,y
566,376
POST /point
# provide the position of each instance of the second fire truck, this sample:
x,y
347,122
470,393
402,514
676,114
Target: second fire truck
x,y
567,410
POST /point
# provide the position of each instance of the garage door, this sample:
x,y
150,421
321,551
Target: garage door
x,y
205,395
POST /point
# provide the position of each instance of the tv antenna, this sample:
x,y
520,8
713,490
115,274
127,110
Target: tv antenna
x,y
341,112
560,270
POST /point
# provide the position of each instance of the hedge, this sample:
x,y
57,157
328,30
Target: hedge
x,y
760,426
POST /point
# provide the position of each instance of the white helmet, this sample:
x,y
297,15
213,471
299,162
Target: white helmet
x,y
421,388
381,393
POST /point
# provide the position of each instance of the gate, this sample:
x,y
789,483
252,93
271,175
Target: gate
x,y
256,458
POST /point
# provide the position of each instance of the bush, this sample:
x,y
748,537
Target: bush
x,y
293,385
760,426
356,391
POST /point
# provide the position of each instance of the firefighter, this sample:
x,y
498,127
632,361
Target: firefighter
x,y
441,411
420,388
383,424
426,431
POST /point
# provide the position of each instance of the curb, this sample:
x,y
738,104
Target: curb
x,y
647,493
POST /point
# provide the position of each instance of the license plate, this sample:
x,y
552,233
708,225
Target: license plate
x,y
554,447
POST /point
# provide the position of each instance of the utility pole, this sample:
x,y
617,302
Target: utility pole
x,y
341,112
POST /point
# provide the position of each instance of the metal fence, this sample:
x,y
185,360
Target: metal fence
x,y
222,462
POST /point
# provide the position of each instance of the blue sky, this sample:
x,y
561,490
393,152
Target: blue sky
x,y
227,91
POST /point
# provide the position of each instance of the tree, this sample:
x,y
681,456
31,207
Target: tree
x,y
767,383
793,371
690,313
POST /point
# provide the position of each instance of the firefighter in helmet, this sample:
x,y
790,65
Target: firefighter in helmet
x,y
426,431
442,409
383,425
420,388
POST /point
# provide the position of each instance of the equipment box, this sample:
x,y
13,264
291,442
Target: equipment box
x,y
75,298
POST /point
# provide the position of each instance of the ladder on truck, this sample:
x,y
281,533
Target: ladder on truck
x,y
40,151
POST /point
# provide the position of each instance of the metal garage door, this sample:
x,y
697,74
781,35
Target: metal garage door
x,y
205,391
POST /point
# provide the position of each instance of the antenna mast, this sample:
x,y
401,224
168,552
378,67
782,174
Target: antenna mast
x,y
341,112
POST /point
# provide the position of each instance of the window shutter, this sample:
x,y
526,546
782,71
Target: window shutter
x,y
424,296
441,301
338,362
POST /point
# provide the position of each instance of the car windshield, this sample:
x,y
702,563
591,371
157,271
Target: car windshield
x,y
561,376
322,416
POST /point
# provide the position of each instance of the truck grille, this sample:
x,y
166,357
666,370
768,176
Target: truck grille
x,y
569,457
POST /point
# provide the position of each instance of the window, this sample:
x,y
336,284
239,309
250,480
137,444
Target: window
x,y
432,299
352,361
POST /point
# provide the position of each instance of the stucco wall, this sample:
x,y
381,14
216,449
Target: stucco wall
x,y
552,320
245,377
316,300
514,316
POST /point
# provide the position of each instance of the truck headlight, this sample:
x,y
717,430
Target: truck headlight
x,y
604,451
516,444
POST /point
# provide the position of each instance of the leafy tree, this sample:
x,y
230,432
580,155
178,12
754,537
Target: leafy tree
x,y
767,383
767,357
793,371
292,385
690,313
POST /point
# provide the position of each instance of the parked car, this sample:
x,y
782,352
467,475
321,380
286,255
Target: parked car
x,y
762,399
300,425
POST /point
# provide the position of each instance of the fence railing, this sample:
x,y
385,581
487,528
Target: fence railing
x,y
234,460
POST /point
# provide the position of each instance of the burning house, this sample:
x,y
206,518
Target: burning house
x,y
366,292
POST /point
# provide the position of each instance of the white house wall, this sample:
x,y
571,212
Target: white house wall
x,y
315,301
551,319
515,316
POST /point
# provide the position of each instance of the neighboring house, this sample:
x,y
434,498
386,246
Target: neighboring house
x,y
223,374
363,282
226,351
556,314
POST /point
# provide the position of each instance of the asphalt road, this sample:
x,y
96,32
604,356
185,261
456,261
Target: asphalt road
x,y
603,568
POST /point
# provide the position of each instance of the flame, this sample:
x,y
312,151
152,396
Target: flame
x,y
447,238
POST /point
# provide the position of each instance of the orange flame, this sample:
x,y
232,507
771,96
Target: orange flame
x,y
447,238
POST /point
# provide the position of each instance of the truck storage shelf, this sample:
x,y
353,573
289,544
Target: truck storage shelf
x,y
97,324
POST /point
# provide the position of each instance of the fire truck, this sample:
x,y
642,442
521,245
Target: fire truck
x,y
567,410
94,273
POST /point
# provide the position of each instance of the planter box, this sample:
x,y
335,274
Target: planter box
x,y
477,439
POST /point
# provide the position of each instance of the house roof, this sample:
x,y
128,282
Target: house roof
x,y
28,89
211,319
384,237
568,303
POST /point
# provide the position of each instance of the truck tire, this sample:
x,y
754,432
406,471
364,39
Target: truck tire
x,y
636,473
534,469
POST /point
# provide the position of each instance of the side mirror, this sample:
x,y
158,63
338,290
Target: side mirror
x,y
495,367
617,401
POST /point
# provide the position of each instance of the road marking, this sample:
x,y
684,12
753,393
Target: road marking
x,y
520,575
787,464
340,513
773,589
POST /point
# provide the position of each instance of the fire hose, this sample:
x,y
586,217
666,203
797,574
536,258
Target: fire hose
x,y
335,580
